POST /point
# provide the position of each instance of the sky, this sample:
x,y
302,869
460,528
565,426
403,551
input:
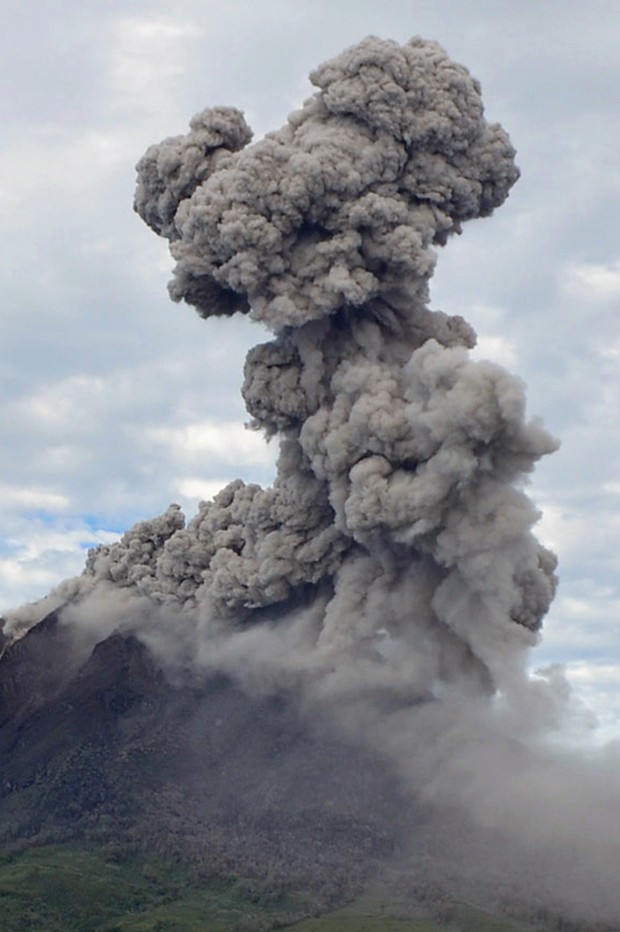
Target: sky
x,y
116,402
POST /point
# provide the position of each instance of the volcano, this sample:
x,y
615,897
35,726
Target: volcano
x,y
100,745
311,683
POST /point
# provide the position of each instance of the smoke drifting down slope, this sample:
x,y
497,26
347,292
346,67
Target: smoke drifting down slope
x,y
393,559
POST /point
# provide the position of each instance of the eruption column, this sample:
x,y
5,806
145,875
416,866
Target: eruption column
x,y
395,528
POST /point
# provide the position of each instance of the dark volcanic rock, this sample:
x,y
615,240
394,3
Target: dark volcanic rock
x,y
104,746
34,669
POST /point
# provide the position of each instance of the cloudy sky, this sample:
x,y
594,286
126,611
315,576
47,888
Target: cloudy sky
x,y
116,402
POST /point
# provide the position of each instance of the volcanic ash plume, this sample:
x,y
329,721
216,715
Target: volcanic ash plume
x,y
390,574
395,535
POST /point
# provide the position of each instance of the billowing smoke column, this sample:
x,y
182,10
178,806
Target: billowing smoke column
x,y
389,578
395,527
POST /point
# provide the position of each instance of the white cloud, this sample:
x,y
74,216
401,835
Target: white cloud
x,y
65,403
42,554
31,498
148,53
228,441
45,161
583,623
497,348
196,489
597,685
592,282
563,529
610,351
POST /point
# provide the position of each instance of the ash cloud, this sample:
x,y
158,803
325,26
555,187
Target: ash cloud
x,y
399,457
391,572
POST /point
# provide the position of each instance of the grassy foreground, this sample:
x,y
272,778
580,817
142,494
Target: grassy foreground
x,y
66,889
63,888
365,916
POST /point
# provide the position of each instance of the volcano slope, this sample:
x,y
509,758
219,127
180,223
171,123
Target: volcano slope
x,y
222,806
131,802
102,746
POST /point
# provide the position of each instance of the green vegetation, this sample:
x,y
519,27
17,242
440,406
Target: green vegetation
x,y
470,919
62,888
366,916
345,920
66,888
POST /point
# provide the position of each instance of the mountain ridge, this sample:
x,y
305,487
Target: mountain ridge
x,y
104,744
